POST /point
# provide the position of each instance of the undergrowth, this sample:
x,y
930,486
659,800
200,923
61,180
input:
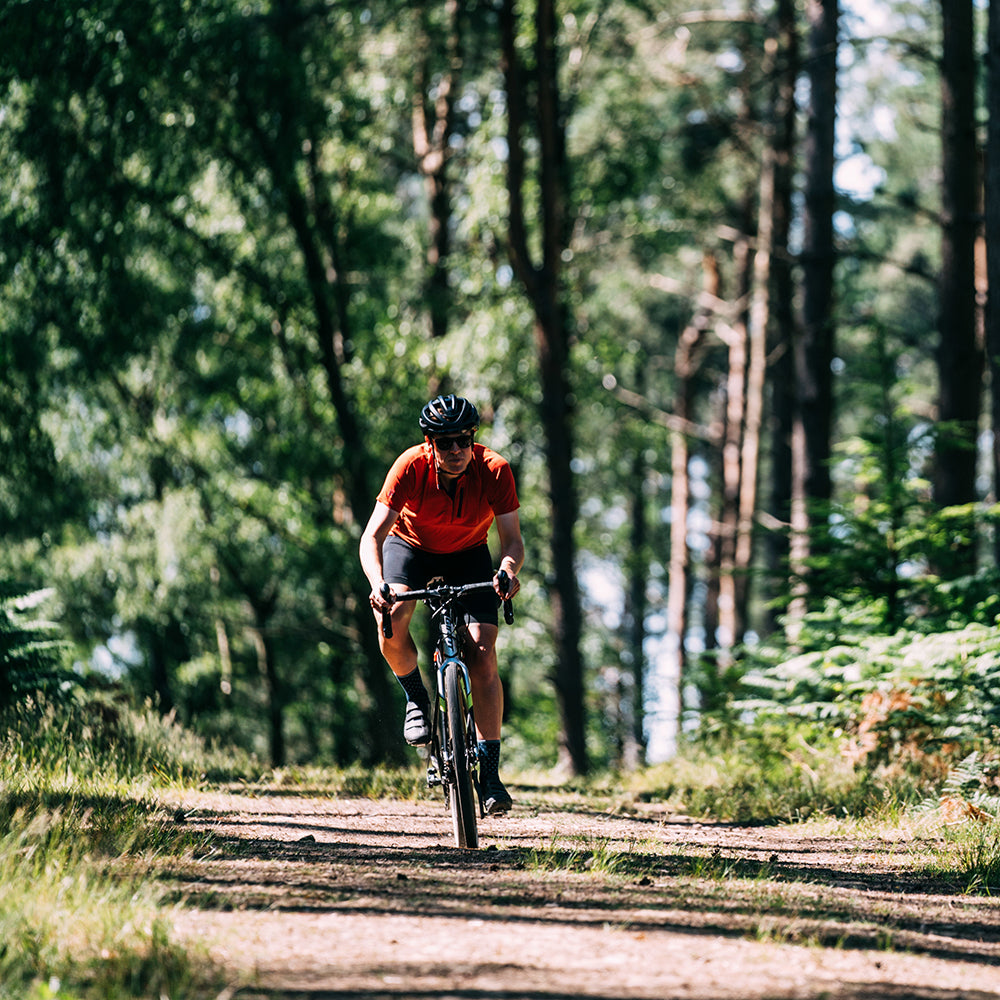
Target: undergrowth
x,y
977,858
80,827
764,776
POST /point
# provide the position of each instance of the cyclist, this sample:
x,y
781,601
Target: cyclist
x,y
431,519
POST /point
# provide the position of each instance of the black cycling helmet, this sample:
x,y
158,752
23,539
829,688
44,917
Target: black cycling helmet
x,y
448,415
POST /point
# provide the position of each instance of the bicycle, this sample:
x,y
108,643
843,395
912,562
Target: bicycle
x,y
453,758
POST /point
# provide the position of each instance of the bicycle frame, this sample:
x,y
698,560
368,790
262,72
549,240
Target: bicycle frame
x,y
453,757
453,760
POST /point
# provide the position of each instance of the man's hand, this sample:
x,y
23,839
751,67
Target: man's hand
x,y
513,584
382,597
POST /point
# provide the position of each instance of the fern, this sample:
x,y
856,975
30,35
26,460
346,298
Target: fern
x,y
924,705
32,655
970,784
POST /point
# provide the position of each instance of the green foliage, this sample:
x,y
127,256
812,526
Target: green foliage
x,y
890,718
769,772
215,332
967,804
722,867
949,678
61,745
79,932
32,655
882,543
971,789
852,719
885,553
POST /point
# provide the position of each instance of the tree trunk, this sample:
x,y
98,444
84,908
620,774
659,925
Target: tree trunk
x,y
754,408
314,219
960,360
677,575
992,197
159,669
782,331
432,130
542,283
263,609
686,363
811,486
776,156
736,337
637,570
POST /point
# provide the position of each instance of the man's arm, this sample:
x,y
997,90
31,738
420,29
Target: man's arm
x,y
511,549
370,549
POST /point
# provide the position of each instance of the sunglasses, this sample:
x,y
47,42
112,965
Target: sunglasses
x,y
447,443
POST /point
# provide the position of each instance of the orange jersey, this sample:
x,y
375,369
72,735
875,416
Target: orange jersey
x,y
429,518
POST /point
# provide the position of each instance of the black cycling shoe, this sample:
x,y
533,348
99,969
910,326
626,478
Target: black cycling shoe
x,y
496,798
416,726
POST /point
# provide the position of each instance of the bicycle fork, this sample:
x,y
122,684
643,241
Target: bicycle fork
x,y
441,768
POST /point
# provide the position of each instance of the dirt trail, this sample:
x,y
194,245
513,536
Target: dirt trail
x,y
317,898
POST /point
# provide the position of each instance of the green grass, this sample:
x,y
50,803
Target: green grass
x,y
773,787
83,827
599,856
972,857
80,828
377,782
720,867
72,912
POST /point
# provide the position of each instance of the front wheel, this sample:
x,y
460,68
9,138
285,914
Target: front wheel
x,y
460,792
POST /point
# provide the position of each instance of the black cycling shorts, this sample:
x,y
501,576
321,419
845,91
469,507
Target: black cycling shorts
x,y
415,568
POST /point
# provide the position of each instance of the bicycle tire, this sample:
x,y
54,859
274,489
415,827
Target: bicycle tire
x,y
461,796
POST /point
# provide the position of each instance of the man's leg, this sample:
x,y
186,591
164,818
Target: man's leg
x,y
487,690
487,701
400,652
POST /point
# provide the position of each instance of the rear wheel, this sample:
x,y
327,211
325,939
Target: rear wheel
x,y
460,792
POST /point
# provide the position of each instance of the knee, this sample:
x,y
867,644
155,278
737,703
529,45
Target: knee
x,y
400,619
398,643
483,661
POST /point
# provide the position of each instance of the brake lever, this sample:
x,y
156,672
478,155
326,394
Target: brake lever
x,y
386,592
508,605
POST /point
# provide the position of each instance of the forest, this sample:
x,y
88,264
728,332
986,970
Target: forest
x,y
716,277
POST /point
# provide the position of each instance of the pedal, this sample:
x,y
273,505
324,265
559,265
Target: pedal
x,y
433,773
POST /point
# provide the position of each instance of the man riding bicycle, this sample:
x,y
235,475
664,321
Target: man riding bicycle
x,y
431,519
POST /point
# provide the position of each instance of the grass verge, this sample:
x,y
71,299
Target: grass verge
x,y
79,830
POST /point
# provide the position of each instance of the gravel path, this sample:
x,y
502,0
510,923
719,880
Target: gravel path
x,y
317,898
